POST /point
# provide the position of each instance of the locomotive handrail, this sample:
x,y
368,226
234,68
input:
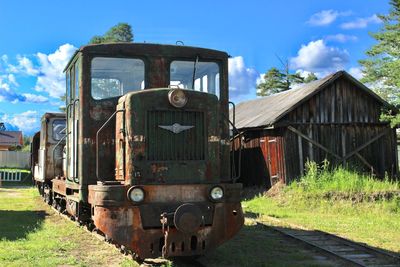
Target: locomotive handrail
x,y
72,103
233,112
234,176
74,142
67,108
67,117
54,149
235,134
97,142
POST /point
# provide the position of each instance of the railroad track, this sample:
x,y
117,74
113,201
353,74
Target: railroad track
x,y
338,248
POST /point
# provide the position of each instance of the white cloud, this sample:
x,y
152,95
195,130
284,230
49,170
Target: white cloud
x,y
3,61
360,23
356,72
52,78
341,38
242,80
6,93
12,80
27,121
32,98
260,78
48,69
317,57
26,66
326,17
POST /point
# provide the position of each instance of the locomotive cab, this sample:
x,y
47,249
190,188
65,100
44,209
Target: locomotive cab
x,y
46,155
148,149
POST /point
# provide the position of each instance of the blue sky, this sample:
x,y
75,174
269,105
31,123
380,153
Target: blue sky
x,y
38,37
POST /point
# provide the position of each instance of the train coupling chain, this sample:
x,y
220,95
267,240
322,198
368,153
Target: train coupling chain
x,y
165,229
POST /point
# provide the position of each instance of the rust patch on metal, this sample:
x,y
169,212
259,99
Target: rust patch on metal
x,y
188,234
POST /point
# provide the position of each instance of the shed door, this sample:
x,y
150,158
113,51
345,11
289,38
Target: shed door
x,y
273,160
272,150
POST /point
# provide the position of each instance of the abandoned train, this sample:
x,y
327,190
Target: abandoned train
x,y
143,151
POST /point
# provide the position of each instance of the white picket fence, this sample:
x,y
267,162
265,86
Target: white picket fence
x,y
14,159
10,176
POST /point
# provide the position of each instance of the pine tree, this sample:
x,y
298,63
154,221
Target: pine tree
x,y
382,68
122,32
276,81
310,77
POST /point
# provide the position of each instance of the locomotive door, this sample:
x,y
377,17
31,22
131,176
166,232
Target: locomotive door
x,y
73,123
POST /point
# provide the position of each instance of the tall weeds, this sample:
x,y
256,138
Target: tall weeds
x,y
323,178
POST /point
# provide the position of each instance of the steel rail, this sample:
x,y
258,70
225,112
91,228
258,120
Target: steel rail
x,y
392,260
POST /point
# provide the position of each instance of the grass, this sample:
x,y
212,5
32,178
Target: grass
x,y
14,170
257,246
338,201
31,234
26,177
321,180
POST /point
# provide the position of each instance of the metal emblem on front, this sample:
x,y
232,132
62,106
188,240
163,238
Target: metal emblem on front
x,y
176,127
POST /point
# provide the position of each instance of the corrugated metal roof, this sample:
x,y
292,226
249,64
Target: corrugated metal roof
x,y
265,111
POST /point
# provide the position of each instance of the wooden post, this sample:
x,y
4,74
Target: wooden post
x,y
301,162
343,137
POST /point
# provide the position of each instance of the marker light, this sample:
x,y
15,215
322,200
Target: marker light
x,y
216,193
177,98
136,194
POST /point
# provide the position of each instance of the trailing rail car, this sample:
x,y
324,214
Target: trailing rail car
x,y
145,156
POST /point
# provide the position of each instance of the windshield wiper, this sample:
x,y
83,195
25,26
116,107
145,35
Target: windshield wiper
x,y
194,71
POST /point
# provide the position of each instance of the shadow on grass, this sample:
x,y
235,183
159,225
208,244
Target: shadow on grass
x,y
16,224
259,245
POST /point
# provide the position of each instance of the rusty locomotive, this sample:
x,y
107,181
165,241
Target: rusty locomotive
x,y
142,153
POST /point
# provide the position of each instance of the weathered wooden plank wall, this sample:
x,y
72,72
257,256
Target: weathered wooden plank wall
x,y
333,124
341,118
341,140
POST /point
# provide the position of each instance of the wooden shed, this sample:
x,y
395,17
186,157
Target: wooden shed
x,y
335,118
10,140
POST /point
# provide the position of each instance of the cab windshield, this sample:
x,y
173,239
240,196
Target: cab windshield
x,y
112,77
58,129
195,75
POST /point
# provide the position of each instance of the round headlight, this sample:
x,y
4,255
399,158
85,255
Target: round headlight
x,y
216,193
177,98
136,194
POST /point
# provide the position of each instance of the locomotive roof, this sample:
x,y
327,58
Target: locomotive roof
x,y
49,115
143,49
